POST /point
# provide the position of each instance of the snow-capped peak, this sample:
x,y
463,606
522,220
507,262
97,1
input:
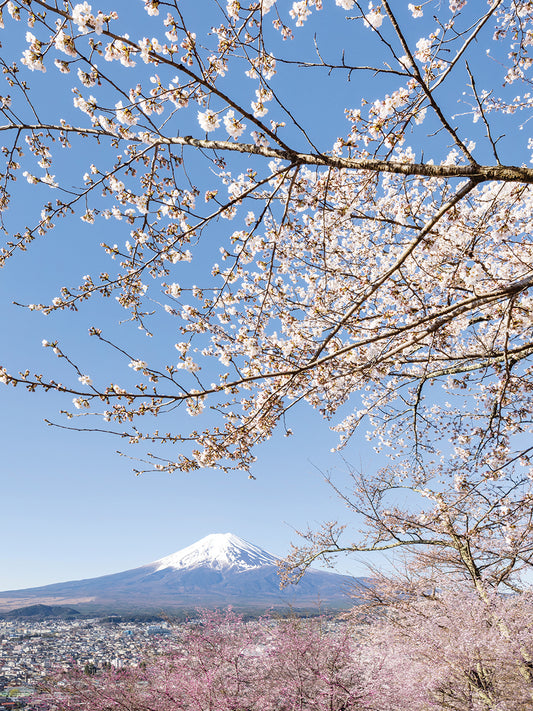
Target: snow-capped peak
x,y
219,551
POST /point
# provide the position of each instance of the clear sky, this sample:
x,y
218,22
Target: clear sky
x,y
71,507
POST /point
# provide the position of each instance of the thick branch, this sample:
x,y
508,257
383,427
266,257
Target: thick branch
x,y
480,173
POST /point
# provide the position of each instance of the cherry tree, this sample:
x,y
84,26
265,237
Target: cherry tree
x,y
447,653
427,654
376,266
372,261
444,627
476,533
220,662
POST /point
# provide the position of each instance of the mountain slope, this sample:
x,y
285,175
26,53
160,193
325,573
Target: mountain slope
x,y
218,570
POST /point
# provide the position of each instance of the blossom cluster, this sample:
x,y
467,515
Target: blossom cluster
x,y
355,278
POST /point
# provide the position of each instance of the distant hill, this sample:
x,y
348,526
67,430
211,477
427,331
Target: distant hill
x,y
41,612
219,570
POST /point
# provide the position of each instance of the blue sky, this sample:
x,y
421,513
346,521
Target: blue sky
x,y
71,507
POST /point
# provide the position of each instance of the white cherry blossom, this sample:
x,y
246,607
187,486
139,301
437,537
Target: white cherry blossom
x,y
378,263
208,120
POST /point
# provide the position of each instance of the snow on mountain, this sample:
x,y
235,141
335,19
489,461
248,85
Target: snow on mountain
x,y
219,551
220,569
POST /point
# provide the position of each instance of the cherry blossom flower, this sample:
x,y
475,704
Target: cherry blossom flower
x,y
416,10
49,180
374,16
300,12
81,15
233,8
345,4
30,178
151,7
233,126
267,5
65,44
208,120
138,364
13,10
33,57
125,115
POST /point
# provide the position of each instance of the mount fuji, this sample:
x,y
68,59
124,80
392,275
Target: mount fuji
x,y
218,570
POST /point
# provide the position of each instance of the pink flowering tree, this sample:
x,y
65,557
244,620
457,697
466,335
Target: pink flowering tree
x,y
220,663
448,653
314,664
426,654
445,631
373,262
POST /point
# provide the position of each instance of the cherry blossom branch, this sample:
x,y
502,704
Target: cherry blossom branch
x,y
478,173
